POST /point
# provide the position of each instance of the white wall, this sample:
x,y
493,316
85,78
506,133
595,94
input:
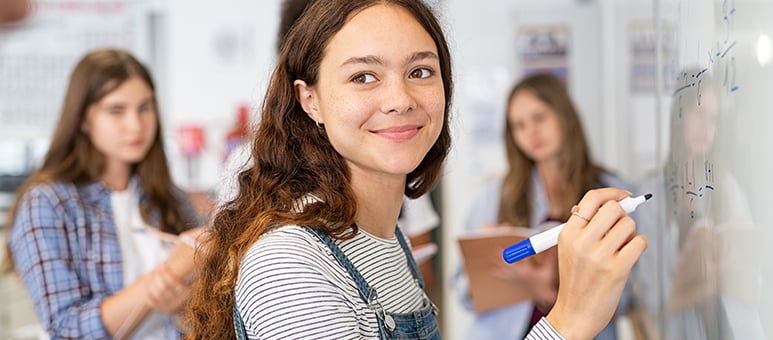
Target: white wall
x,y
218,55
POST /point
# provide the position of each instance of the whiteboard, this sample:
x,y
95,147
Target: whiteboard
x,y
708,273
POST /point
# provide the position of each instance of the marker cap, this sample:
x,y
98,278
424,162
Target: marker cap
x,y
518,251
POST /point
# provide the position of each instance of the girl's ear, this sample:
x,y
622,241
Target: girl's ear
x,y
306,96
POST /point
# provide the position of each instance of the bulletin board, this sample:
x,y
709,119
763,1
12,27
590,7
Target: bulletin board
x,y
37,56
544,49
707,273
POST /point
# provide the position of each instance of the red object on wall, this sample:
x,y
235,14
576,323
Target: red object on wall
x,y
190,139
240,131
238,134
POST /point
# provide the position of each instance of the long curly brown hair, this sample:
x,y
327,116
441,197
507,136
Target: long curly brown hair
x,y
578,172
72,157
293,158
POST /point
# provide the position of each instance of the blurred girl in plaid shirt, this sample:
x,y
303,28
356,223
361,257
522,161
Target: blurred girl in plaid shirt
x,y
101,237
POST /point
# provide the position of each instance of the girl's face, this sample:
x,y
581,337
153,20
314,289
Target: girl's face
x,y
122,125
380,93
700,124
535,126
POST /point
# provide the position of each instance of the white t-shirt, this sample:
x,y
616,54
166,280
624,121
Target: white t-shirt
x,y
418,216
141,251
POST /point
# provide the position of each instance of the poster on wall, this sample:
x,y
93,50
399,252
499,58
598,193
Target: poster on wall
x,y
544,49
37,56
643,38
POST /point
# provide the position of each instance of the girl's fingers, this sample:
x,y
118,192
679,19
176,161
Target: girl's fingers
x,y
590,203
163,288
619,235
604,220
631,251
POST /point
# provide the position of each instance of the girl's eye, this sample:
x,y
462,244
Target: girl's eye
x,y
364,78
420,73
146,108
539,118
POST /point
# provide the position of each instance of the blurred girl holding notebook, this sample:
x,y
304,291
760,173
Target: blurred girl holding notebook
x,y
549,169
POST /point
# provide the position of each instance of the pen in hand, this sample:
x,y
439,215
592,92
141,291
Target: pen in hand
x,y
549,238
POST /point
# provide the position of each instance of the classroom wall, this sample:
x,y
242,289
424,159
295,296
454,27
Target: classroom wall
x,y
206,58
218,55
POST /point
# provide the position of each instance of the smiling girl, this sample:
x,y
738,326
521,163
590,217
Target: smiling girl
x,y
355,116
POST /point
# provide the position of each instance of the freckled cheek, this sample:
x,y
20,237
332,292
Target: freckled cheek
x,y
435,108
348,111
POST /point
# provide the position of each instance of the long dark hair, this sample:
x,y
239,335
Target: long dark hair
x,y
578,172
294,158
72,157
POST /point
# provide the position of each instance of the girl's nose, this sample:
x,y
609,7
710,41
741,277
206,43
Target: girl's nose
x,y
397,98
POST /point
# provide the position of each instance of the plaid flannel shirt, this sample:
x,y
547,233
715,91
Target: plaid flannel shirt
x,y
66,249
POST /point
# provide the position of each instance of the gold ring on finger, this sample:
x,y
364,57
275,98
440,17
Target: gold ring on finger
x,y
576,212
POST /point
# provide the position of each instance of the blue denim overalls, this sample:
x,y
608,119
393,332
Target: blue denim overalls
x,y
417,325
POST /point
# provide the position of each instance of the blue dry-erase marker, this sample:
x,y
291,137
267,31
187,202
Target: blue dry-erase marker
x,y
549,238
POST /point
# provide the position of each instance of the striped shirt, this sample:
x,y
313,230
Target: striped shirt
x,y
290,286
543,330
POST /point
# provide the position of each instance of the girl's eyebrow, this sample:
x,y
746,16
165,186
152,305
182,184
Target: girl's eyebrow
x,y
374,60
120,104
111,105
422,55
369,59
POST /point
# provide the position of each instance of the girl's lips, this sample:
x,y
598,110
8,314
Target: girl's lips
x,y
399,133
136,143
537,145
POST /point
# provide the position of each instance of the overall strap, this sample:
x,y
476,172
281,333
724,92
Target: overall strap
x,y
362,285
411,261
367,294
241,332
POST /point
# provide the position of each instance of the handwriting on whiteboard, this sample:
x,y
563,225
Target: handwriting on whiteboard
x,y
722,56
686,187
